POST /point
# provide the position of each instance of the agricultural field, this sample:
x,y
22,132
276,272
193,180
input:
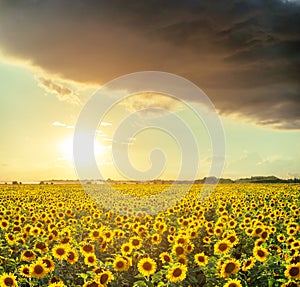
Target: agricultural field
x,y
241,235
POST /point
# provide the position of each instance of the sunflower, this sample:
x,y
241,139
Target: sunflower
x,y
222,246
98,270
178,249
28,255
120,264
201,259
281,237
290,284
165,257
41,247
55,280
60,251
293,271
38,269
233,239
248,264
264,235
181,240
126,249
4,224
136,242
8,280
10,238
229,267
177,273
72,256
182,259
295,259
291,231
233,283
90,259
94,234
190,247
296,244
24,270
206,239
104,277
92,284
260,253
50,266
146,266
65,240
156,238
87,249
170,238
257,230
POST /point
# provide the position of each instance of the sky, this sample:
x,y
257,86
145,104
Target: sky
x,y
244,55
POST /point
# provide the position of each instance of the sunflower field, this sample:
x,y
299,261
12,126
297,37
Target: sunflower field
x,y
241,235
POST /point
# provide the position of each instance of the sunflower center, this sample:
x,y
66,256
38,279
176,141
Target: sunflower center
x,y
65,240
26,271
222,246
260,253
229,267
147,266
28,254
71,256
231,239
103,278
179,250
38,269
294,271
167,258
200,258
135,242
248,263
91,259
9,281
258,230
120,264
87,248
177,272
232,285
41,245
264,234
60,251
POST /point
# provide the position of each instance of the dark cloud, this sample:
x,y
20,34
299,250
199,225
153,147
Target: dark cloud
x,y
243,54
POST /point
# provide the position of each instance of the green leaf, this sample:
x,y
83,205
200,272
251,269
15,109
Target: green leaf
x,y
140,283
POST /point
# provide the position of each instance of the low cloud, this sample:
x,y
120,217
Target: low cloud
x,y
63,93
58,124
149,103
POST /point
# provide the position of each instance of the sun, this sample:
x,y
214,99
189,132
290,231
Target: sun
x,y
99,149
66,148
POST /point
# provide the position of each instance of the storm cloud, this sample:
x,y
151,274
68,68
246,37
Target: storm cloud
x,y
243,54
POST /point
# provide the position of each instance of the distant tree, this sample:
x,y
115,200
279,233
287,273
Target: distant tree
x,y
15,182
